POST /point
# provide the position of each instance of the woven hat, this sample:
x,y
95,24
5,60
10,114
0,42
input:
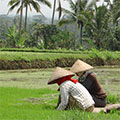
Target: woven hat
x,y
80,66
59,73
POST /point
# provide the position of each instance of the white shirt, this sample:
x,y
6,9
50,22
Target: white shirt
x,y
77,91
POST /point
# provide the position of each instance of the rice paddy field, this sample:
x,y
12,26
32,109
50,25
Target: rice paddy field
x,y
25,95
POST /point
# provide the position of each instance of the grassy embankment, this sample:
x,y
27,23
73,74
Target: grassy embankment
x,y
34,58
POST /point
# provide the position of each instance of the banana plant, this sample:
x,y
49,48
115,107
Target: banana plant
x,y
12,35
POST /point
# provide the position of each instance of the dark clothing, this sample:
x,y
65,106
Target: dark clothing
x,y
99,102
92,85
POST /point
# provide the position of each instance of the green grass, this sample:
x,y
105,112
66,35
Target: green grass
x,y
30,104
30,54
43,50
14,106
20,59
25,95
112,98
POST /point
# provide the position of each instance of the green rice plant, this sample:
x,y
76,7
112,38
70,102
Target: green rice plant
x,y
29,56
59,50
109,55
111,99
56,58
30,104
96,54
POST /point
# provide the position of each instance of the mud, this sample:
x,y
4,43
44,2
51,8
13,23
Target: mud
x,y
61,62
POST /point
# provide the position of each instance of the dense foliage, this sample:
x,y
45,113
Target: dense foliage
x,y
79,28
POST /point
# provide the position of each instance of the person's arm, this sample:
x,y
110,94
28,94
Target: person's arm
x,y
59,101
64,98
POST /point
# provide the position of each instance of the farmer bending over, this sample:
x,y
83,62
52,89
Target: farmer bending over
x,y
90,82
71,91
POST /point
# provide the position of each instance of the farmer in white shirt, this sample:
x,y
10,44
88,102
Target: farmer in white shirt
x,y
71,88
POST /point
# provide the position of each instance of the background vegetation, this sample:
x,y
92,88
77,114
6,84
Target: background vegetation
x,y
82,27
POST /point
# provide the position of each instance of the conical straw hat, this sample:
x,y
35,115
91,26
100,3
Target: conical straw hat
x,y
59,73
80,66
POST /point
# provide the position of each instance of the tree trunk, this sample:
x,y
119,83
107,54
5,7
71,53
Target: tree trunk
x,y
77,36
21,14
53,11
45,41
26,18
81,30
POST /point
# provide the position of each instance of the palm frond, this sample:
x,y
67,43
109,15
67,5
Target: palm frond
x,y
12,2
68,12
90,3
30,7
19,9
116,16
60,9
46,2
65,21
13,6
36,6
82,18
72,5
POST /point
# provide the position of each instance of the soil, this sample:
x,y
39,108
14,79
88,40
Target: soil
x,y
62,62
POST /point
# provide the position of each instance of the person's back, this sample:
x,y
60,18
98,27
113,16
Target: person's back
x,y
78,92
90,82
93,86
71,89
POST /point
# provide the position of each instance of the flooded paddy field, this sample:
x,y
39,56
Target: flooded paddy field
x,y
108,76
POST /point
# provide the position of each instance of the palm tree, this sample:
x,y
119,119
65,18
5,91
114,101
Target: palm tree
x,y
26,3
77,14
21,15
115,10
35,5
13,4
53,14
98,28
54,7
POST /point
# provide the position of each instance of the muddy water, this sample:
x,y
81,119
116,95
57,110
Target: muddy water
x,y
108,76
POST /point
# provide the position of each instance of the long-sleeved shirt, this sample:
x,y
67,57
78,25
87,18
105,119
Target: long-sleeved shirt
x,y
78,92
93,86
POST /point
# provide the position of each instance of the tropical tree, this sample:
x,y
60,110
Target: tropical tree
x,y
13,4
35,5
53,14
115,10
26,4
21,17
99,27
54,8
77,14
